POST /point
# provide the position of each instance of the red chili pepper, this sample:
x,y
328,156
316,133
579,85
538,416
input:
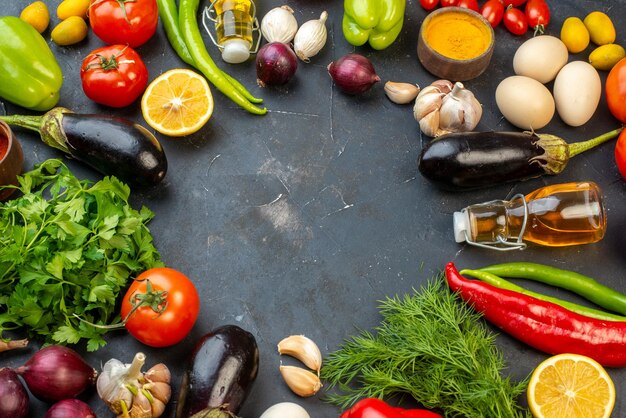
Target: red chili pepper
x,y
377,408
544,325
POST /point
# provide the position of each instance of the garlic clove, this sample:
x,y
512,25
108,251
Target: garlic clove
x,y
302,382
142,408
158,408
310,38
160,390
401,93
279,25
302,348
429,124
428,101
444,86
158,373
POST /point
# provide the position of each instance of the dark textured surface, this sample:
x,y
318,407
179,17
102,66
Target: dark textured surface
x,y
299,221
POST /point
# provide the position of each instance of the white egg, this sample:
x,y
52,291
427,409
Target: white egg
x,y
525,102
285,410
577,91
540,58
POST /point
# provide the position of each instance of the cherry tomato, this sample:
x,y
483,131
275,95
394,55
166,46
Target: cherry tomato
x,y
126,22
429,4
493,10
469,4
616,90
537,15
114,75
515,21
514,3
620,153
166,306
449,3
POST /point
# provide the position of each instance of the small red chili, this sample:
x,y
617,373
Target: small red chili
x,y
377,408
543,325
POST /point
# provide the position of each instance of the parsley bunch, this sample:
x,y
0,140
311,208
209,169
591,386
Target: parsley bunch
x,y
67,249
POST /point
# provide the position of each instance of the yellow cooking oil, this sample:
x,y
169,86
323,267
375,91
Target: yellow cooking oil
x,y
234,20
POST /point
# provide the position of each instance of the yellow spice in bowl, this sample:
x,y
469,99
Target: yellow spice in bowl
x,y
457,35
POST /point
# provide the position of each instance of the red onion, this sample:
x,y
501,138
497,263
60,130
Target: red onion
x,y
276,63
13,395
353,74
56,372
70,408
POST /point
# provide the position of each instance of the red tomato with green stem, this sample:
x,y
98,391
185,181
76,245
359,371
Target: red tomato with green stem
x,y
114,75
449,3
429,4
620,153
515,21
126,22
537,15
615,88
493,10
160,307
469,4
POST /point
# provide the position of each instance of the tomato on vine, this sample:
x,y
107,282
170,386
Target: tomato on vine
x,y
160,307
493,10
515,21
538,15
126,22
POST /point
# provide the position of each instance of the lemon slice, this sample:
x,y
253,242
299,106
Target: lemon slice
x,y
177,103
570,385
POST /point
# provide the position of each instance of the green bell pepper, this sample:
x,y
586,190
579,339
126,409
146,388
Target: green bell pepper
x,y
30,75
376,21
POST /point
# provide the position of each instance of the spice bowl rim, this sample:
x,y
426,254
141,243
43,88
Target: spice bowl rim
x,y
11,163
483,58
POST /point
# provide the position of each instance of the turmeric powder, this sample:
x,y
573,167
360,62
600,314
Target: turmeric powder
x,y
457,35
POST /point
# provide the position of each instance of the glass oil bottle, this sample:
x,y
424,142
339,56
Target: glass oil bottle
x,y
556,215
235,22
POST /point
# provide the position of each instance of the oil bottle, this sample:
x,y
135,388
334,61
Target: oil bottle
x,y
234,24
556,215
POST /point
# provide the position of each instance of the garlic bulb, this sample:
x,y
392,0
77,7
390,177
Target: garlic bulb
x,y
310,38
443,108
130,392
279,25
401,93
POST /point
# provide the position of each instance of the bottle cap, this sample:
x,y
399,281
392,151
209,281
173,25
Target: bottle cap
x,y
461,223
236,51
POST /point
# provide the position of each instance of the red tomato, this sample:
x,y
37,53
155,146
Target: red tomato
x,y
616,90
429,4
514,3
168,307
114,75
515,21
448,3
537,15
469,4
620,153
126,22
493,10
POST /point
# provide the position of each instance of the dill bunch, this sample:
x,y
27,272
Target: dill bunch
x,y
433,347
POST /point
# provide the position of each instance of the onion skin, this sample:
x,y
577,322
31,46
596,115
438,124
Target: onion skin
x,y
13,395
56,372
276,64
70,408
353,74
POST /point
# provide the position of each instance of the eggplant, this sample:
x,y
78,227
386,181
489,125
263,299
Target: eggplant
x,y
112,145
471,160
223,367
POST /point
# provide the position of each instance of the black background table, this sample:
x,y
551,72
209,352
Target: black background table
x,y
300,221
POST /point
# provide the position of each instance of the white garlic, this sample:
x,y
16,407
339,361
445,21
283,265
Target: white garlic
x,y
310,38
301,382
401,93
443,108
302,348
279,25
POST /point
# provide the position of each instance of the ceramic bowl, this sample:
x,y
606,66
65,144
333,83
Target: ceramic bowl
x,y
454,66
12,161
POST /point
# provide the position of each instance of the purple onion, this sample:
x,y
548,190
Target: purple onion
x,y
276,63
13,395
56,372
353,74
70,408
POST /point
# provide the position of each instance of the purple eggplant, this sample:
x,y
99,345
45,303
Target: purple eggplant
x,y
223,366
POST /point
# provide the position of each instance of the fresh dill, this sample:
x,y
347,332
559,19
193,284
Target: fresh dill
x,y
433,347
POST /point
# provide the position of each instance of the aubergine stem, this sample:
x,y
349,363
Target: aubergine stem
x,y
49,126
582,146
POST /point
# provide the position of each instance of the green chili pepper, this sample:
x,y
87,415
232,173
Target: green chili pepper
x,y
582,285
376,21
30,75
501,283
188,25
